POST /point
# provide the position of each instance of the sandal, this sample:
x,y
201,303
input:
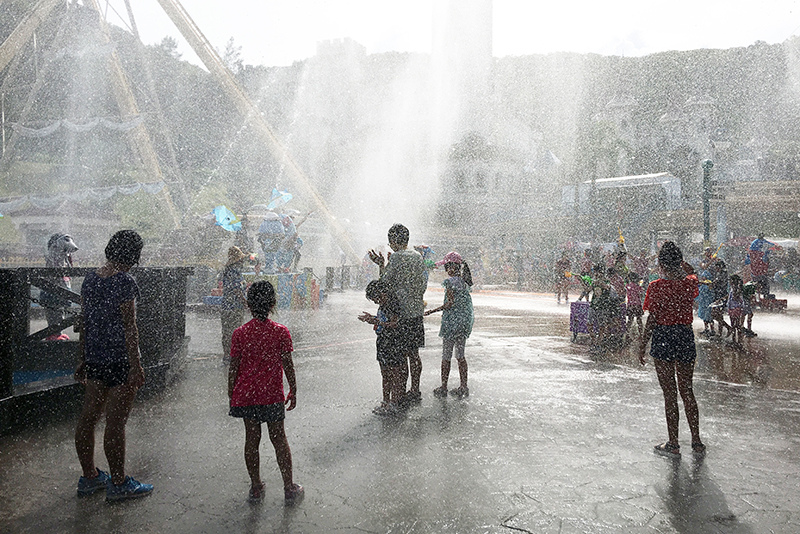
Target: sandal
x,y
461,392
293,493
441,391
256,493
668,449
698,448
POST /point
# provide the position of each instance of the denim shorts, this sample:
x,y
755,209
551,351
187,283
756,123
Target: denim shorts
x,y
261,413
673,343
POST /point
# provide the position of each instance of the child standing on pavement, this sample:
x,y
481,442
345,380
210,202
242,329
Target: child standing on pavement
x,y
390,353
233,299
601,309
669,322
261,352
110,367
633,309
736,307
457,319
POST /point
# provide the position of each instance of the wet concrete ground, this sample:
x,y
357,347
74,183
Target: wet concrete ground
x,y
549,440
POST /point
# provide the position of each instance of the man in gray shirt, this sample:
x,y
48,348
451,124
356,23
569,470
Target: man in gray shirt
x,y
404,273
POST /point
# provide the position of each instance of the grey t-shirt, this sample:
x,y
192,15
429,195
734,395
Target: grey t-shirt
x,y
405,274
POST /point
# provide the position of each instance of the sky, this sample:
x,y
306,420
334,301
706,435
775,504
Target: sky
x,y
278,32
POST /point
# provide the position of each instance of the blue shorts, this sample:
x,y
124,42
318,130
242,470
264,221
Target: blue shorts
x,y
261,413
111,374
673,343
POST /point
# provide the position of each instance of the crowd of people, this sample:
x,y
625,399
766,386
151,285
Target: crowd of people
x,y
277,240
259,353
614,282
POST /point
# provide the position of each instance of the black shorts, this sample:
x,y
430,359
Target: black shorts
x,y
261,413
111,374
673,343
391,359
411,333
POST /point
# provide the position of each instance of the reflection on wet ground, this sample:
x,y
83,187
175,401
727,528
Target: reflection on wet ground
x,y
762,361
548,441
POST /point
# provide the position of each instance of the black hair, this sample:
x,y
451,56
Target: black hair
x,y
466,274
374,290
463,271
735,280
634,277
125,247
261,299
398,234
670,256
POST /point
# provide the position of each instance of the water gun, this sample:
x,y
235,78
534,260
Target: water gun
x,y
586,279
714,255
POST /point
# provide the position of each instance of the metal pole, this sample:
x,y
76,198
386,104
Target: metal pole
x,y
3,121
250,111
139,139
24,30
707,165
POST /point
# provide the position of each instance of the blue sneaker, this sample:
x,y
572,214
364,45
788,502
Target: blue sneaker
x,y
130,489
90,486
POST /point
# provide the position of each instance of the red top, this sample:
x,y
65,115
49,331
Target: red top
x,y
758,267
670,301
261,346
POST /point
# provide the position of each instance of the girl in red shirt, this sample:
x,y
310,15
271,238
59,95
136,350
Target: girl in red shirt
x,y
261,353
669,322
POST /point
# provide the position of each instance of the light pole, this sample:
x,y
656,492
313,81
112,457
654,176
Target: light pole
x,y
707,165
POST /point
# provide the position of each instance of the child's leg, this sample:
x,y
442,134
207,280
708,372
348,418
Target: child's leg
x,y
252,460
602,330
666,378
404,372
120,402
462,361
415,369
277,435
684,373
93,402
447,354
397,385
386,383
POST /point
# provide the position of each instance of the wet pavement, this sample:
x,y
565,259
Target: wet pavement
x,y
549,441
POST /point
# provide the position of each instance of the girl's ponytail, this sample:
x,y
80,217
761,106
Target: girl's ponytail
x,y
466,275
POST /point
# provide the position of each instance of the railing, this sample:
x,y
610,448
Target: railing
x,y
25,354
344,277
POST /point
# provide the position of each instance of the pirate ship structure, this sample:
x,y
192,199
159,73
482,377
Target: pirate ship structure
x,y
69,88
